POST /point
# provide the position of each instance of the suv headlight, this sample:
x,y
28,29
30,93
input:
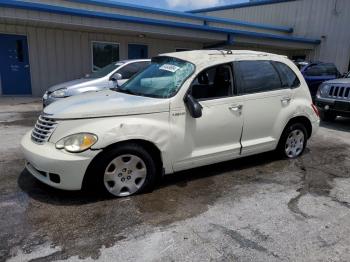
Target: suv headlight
x,y
77,143
60,93
324,90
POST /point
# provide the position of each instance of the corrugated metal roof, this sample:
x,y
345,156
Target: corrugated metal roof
x,y
127,6
148,21
235,6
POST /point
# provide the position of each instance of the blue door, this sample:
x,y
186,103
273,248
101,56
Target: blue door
x,y
14,65
137,51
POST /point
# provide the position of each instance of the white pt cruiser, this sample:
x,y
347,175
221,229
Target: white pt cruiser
x,y
185,110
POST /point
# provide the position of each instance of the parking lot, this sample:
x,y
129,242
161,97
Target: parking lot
x,y
254,209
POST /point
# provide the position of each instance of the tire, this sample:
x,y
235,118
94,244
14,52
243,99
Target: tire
x,y
293,141
327,116
125,170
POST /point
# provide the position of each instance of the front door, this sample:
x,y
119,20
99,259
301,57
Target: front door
x,y
136,51
14,65
215,136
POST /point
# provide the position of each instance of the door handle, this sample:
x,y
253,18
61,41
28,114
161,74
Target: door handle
x,y
286,100
236,108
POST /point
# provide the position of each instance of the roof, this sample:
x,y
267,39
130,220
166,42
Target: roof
x,y
211,57
125,61
152,10
235,6
150,21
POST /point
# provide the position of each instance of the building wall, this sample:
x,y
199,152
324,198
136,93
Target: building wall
x,y
58,55
327,20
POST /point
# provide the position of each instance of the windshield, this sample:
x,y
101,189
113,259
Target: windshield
x,y
105,70
162,79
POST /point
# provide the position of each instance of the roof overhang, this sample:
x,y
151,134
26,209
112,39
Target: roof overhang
x,y
203,18
242,5
154,23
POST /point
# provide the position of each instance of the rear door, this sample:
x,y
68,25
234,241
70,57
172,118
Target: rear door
x,y
267,93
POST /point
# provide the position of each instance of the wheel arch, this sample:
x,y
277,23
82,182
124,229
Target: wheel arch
x,y
303,120
147,145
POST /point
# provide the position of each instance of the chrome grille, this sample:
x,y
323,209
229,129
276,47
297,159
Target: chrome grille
x,y
339,92
43,129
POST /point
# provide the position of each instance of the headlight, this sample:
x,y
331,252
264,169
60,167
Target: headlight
x,y
324,90
77,143
60,93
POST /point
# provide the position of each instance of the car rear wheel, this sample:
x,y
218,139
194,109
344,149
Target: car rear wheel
x,y
293,141
125,170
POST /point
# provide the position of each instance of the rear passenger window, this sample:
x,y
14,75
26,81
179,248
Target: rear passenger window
x,y
257,76
288,77
215,82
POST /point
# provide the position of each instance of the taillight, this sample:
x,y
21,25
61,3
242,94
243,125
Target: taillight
x,y
315,110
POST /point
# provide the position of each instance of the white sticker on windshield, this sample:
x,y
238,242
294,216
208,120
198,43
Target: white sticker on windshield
x,y
170,68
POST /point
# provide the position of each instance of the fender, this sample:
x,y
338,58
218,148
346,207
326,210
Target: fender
x,y
153,128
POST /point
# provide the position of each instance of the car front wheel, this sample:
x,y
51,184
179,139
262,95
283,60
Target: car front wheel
x,y
125,170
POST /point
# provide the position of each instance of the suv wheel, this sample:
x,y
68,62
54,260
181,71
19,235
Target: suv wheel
x,y
293,141
327,116
125,170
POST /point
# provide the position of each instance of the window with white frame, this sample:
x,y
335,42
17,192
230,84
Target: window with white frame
x,y
103,54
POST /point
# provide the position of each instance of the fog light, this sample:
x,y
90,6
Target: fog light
x,y
326,107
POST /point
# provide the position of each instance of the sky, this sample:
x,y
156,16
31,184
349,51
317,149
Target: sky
x,y
182,5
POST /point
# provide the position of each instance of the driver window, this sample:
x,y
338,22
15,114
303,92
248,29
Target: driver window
x,y
212,83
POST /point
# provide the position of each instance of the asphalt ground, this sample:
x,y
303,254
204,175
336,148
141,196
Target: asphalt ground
x,y
253,209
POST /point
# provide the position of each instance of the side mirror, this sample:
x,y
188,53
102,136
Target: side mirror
x,y
193,106
116,77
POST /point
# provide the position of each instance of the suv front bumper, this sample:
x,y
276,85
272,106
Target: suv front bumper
x,y
339,108
54,167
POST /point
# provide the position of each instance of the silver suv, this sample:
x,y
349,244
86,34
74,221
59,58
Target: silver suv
x,y
333,98
107,77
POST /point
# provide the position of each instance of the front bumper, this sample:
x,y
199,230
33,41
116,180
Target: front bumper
x,y
54,167
339,108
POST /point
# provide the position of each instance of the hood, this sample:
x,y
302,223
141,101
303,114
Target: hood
x,y
338,81
105,103
71,84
